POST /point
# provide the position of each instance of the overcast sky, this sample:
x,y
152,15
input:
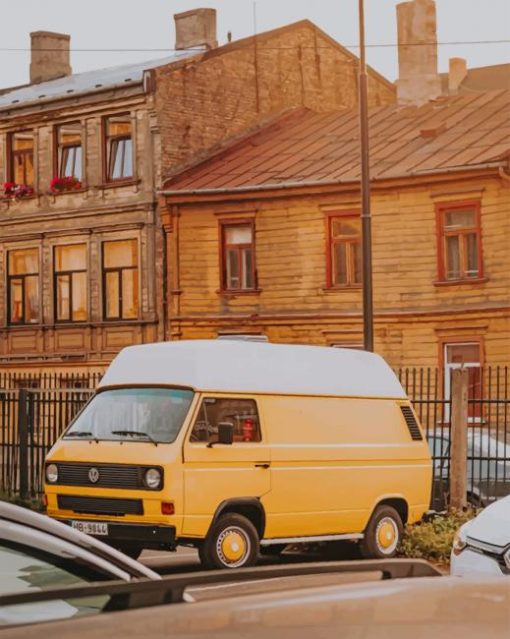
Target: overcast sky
x,y
146,24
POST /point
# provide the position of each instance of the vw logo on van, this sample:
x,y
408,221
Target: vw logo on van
x,y
94,475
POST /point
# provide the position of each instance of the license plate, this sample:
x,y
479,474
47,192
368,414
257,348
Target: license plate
x,y
90,527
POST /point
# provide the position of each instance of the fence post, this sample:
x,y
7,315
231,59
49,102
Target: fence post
x,y
459,424
23,442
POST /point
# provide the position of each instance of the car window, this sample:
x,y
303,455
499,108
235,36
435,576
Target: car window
x,y
242,414
24,569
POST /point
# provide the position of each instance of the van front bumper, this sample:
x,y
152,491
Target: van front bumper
x,y
145,535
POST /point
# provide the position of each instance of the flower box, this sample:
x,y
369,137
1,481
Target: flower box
x,y
63,184
13,191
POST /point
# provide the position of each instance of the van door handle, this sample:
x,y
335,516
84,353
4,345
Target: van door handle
x,y
262,465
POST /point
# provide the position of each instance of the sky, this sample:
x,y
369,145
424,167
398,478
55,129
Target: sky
x,y
148,24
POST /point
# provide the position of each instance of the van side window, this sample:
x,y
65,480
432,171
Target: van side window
x,y
241,413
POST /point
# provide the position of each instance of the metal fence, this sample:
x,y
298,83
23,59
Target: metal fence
x,y
35,410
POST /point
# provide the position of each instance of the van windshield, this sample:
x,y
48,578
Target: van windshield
x,y
133,414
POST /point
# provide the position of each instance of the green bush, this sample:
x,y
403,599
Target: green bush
x,y
433,539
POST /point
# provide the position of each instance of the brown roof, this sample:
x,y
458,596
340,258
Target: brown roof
x,y
491,78
303,147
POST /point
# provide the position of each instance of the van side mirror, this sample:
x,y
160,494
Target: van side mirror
x,y
226,433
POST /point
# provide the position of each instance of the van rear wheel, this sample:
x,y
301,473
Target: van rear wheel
x,y
383,534
232,542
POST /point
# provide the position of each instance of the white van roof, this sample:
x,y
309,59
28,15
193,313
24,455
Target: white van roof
x,y
250,367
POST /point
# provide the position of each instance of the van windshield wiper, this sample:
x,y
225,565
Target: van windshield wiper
x,y
82,433
135,433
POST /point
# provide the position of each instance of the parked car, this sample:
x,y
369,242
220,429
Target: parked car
x,y
482,545
488,467
37,553
344,603
234,446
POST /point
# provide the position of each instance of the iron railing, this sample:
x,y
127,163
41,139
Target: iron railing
x,y
34,411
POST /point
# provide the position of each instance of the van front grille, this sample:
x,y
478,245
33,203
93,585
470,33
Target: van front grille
x,y
412,424
108,475
100,505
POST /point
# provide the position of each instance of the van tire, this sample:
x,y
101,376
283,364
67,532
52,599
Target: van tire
x,y
131,551
382,534
232,542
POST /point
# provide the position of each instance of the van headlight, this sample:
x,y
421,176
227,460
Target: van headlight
x,y
459,541
153,478
52,473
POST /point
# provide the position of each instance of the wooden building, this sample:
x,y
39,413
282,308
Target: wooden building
x,y
82,258
267,233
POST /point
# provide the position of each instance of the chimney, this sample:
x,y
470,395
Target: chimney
x,y
457,72
50,57
195,28
418,80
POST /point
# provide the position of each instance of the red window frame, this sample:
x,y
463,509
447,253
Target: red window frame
x,y
223,246
331,242
442,233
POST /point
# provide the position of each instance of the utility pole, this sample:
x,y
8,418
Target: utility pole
x,y
366,222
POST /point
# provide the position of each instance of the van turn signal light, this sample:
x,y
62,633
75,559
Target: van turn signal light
x,y
167,508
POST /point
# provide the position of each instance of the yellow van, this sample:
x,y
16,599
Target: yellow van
x,y
237,447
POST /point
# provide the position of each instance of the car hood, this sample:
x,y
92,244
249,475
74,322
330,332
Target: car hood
x,y
492,525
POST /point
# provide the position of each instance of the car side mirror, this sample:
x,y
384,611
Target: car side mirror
x,y
225,434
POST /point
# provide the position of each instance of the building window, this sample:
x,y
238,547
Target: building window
x,y
238,257
21,160
70,283
239,413
120,279
465,355
344,268
118,148
69,150
23,286
460,244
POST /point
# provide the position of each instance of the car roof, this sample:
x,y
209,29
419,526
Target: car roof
x,y
43,523
235,366
418,607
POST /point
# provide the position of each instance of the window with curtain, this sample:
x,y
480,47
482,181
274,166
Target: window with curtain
x,y
21,160
118,147
70,283
69,150
23,286
345,251
238,252
120,279
460,249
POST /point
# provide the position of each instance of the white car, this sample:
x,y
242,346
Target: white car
x,y
482,545
37,553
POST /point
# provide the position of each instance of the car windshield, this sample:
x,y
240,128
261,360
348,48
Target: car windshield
x,y
133,414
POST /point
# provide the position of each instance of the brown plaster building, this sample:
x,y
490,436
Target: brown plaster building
x,y
83,260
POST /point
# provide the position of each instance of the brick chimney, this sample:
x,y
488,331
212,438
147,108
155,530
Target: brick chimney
x,y
457,71
50,57
195,28
418,79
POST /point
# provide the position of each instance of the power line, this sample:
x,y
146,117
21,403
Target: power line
x,y
202,50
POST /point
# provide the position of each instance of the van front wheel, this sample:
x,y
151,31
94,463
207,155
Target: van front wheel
x,y
383,534
232,542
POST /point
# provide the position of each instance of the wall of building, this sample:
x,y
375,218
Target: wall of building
x,y
414,315
98,212
210,99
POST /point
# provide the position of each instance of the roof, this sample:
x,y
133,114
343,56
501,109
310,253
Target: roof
x,y
303,148
251,367
490,78
99,79
87,82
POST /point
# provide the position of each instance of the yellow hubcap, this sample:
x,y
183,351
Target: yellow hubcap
x,y
233,546
386,534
